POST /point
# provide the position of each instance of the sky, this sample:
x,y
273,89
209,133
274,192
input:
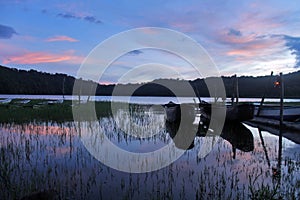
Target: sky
x,y
250,38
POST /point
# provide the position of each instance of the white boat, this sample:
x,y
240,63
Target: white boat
x,y
55,102
290,113
22,102
42,103
5,101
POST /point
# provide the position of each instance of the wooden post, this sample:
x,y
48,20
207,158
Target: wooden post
x,y
236,90
264,146
280,123
63,88
79,94
263,97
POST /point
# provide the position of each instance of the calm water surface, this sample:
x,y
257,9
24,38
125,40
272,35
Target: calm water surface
x,y
51,156
139,100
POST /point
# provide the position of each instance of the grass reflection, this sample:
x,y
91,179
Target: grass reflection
x,y
47,157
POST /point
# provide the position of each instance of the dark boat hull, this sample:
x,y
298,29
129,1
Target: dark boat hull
x,y
237,113
174,112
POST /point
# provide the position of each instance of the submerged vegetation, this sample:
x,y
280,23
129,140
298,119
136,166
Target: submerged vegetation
x,y
38,110
43,154
263,191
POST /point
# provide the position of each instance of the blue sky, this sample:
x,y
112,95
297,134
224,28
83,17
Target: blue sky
x,y
242,37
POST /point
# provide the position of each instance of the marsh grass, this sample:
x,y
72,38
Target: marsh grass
x,y
44,152
33,111
263,191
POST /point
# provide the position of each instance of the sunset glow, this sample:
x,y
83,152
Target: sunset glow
x,y
56,36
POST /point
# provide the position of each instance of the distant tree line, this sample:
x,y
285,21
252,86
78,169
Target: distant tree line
x,y
14,81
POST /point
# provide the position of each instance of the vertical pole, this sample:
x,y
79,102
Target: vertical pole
x,y
63,88
236,90
281,123
263,97
79,95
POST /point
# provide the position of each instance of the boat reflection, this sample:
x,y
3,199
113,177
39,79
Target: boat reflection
x,y
237,134
182,134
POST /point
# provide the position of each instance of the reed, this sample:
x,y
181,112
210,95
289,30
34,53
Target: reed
x,y
40,155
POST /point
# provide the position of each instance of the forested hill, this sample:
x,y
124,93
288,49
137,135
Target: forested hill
x,y
14,81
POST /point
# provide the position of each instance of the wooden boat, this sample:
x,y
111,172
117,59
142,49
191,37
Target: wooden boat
x,y
290,113
236,113
174,112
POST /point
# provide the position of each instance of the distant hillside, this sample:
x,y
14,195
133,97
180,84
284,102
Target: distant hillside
x,y
14,81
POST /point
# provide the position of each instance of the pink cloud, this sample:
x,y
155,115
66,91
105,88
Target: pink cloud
x,y
61,38
248,45
42,57
224,37
241,52
256,47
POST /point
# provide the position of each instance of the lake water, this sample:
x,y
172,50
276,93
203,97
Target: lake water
x,y
64,158
137,99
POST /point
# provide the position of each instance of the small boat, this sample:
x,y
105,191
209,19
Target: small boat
x,y
5,101
290,113
42,103
174,112
235,113
55,102
25,101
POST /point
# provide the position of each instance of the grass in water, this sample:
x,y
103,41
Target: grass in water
x,y
35,110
